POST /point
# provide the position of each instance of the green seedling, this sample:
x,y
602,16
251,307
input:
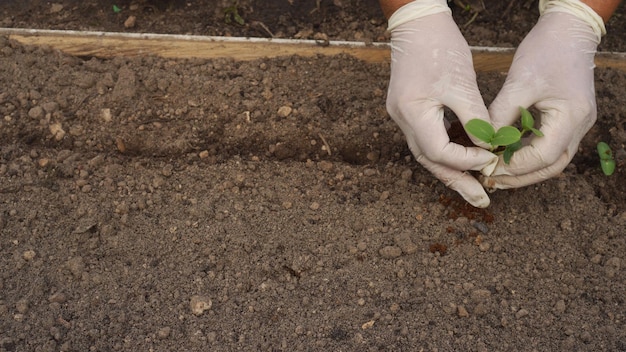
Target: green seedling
x,y
116,9
506,140
607,163
475,7
231,14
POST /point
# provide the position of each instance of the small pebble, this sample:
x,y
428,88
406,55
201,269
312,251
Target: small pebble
x,y
373,156
43,162
566,225
76,266
300,330
57,131
395,308
480,295
596,259
55,332
50,107
358,338
369,172
158,182
57,297
36,113
404,241
105,115
521,313
484,247
284,111
29,255
56,8
390,252
406,174
368,325
167,170
325,166
462,312
480,310
200,304
21,306
130,22
164,332
480,226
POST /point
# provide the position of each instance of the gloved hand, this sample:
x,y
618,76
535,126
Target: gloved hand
x,y
552,70
431,67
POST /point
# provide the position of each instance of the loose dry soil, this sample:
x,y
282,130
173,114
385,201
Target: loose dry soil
x,y
194,205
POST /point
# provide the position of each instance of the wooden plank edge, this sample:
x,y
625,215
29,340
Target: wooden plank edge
x,y
111,44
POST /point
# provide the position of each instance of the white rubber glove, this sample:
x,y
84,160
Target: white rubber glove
x,y
431,67
552,70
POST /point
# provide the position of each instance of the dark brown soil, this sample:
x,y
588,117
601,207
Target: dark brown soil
x,y
500,23
192,205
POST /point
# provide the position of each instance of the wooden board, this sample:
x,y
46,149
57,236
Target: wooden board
x,y
107,44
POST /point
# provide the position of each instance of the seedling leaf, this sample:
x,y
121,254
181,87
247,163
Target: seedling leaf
x,y
536,132
509,150
238,19
528,122
232,14
608,166
506,135
607,163
604,151
481,129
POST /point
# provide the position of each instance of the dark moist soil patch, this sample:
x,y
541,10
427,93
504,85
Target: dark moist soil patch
x,y
273,205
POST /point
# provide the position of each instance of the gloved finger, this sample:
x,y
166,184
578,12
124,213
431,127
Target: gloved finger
x,y
504,109
461,93
515,181
435,143
469,105
462,182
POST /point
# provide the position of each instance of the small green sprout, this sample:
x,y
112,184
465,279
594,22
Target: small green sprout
x,y
506,140
607,163
231,14
116,9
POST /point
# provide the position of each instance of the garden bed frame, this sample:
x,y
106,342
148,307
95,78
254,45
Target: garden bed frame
x,y
110,44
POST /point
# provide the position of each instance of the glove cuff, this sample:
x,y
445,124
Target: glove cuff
x,y
578,9
415,10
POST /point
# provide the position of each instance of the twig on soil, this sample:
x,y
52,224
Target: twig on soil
x,y
263,26
505,14
317,7
528,4
326,145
